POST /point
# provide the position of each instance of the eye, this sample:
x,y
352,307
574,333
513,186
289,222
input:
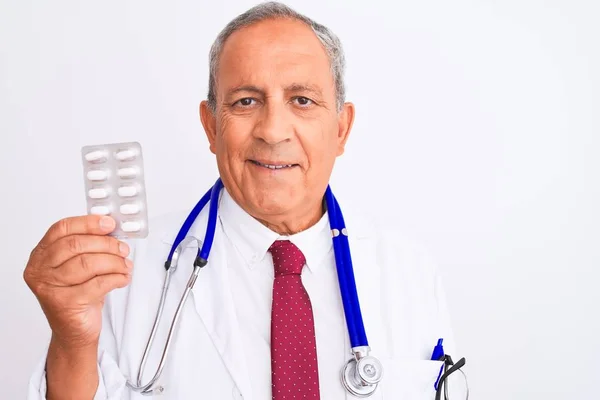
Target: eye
x,y
303,101
246,101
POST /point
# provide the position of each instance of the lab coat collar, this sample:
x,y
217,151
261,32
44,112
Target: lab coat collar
x,y
253,239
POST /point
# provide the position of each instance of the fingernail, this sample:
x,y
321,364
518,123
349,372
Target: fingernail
x,y
107,223
123,248
129,263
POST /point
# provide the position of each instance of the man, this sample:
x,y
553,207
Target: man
x,y
276,119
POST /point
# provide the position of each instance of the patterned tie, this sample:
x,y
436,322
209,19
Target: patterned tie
x,y
294,370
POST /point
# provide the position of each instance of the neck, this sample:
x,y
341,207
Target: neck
x,y
290,224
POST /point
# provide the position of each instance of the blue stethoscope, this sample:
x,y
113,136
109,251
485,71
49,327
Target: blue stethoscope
x,y
360,375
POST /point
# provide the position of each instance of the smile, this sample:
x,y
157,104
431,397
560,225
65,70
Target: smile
x,y
272,166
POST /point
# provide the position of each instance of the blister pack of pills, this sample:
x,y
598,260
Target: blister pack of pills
x,y
115,186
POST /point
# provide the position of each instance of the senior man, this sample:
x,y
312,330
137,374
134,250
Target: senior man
x,y
265,318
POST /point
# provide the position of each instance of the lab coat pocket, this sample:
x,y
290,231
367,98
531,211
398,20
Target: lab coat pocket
x,y
410,379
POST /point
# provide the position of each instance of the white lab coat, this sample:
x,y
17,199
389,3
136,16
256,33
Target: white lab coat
x,y
401,297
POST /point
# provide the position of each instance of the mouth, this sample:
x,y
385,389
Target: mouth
x,y
272,165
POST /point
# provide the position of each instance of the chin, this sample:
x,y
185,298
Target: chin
x,y
272,202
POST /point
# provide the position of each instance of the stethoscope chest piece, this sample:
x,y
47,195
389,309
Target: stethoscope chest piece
x,y
360,376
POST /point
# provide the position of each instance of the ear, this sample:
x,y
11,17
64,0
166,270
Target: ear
x,y
209,122
345,122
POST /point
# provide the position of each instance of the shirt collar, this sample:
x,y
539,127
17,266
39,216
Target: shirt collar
x,y
252,239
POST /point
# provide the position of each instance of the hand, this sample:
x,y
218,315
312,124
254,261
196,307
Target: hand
x,y
70,272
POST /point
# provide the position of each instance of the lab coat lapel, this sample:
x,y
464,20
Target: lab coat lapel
x,y
368,276
214,304
367,273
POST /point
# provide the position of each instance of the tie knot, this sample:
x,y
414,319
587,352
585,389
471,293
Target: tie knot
x,y
287,258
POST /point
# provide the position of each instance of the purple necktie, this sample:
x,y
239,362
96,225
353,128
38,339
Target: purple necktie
x,y
294,369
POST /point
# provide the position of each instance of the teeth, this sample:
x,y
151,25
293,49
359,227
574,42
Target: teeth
x,y
273,166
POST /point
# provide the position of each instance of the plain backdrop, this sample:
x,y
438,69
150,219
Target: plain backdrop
x,y
477,132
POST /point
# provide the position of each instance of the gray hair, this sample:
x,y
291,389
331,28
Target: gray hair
x,y
272,10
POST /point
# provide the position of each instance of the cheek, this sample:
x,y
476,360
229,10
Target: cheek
x,y
322,146
232,137
226,137
223,127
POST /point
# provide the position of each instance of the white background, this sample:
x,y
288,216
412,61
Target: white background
x,y
478,125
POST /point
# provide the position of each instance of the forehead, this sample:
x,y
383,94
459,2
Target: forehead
x,y
274,52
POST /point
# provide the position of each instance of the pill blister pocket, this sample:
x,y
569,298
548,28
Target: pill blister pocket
x,y
115,186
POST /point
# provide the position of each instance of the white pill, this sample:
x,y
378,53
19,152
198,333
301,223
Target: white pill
x,y
126,154
127,191
130,208
100,210
128,172
97,175
95,155
98,193
131,226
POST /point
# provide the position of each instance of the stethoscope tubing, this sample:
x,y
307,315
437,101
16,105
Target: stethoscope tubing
x,y
212,196
341,247
343,260
212,221
347,283
187,224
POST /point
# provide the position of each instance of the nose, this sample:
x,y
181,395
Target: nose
x,y
274,125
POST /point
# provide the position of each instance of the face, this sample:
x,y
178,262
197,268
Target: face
x,y
276,131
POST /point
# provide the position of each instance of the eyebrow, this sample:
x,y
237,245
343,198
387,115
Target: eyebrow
x,y
298,87
245,88
295,87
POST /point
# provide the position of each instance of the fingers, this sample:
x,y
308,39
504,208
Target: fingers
x,y
84,267
98,287
89,292
81,225
71,246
